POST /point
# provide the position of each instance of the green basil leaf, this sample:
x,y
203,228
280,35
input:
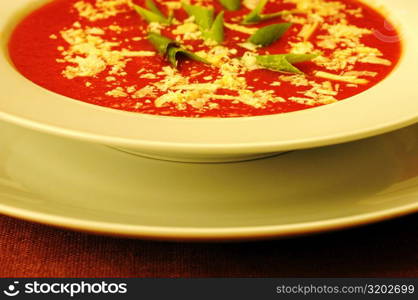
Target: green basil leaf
x,y
231,4
171,49
277,63
284,62
267,35
264,17
211,29
151,16
254,15
174,53
203,16
161,43
300,58
216,32
150,4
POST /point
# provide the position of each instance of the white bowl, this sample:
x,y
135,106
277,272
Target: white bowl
x,y
390,105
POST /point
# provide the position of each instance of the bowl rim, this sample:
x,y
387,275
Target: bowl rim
x,y
344,121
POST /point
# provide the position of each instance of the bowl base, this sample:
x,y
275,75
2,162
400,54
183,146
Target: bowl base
x,y
204,159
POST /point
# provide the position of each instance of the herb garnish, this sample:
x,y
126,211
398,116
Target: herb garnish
x,y
204,17
267,35
256,16
216,32
284,62
152,14
171,49
231,4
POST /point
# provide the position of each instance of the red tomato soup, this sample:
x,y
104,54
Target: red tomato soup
x,y
101,52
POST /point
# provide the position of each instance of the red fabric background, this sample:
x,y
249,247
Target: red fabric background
x,y
384,250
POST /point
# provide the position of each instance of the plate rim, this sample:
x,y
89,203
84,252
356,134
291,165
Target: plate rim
x,y
189,234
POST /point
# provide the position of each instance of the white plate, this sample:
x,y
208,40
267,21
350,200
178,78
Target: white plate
x,y
93,188
390,105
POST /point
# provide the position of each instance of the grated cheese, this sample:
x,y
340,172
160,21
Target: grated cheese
x,y
240,28
343,78
102,9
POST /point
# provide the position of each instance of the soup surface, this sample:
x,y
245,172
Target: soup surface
x,y
116,53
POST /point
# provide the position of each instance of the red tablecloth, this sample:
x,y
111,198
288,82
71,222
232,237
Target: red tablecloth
x,y
384,250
